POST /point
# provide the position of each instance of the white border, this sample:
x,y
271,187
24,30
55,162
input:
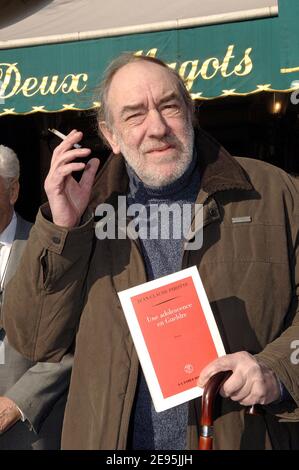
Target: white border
x,y
159,401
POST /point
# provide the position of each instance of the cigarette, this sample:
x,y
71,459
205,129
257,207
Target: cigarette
x,y
62,137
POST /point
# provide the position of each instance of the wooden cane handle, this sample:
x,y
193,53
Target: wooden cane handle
x,y
210,393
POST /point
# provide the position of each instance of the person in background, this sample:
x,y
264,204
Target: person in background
x,y
32,395
247,262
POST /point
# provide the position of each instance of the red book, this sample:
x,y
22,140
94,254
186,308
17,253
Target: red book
x,y
175,334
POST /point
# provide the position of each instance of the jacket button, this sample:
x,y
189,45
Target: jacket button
x,y
213,212
56,240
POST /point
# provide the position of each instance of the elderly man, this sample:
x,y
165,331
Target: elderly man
x,y
33,395
247,263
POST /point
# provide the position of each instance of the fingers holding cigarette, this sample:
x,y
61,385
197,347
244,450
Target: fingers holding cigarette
x,y
71,149
69,156
68,193
66,152
69,142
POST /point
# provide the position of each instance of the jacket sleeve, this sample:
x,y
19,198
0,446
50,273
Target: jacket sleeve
x,y
282,355
43,301
37,391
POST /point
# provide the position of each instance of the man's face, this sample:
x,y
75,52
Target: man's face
x,y
150,124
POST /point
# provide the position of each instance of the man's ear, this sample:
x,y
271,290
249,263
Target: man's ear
x,y
14,188
110,137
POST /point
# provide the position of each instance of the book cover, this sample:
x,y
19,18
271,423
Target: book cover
x,y
174,333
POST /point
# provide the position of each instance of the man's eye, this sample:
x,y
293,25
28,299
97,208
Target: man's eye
x,y
170,107
135,116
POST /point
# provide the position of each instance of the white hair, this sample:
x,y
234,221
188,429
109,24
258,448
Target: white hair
x,y
9,164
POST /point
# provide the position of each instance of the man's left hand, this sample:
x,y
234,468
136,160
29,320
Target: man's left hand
x,y
9,414
250,383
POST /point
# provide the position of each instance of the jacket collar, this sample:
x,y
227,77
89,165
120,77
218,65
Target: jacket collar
x,y
219,172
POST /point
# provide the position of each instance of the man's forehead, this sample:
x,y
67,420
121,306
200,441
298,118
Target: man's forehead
x,y
130,83
142,66
140,101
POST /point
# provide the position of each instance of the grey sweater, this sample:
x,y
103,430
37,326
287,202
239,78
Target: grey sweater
x,y
165,430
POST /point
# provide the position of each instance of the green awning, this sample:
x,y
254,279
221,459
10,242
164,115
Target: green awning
x,y
216,61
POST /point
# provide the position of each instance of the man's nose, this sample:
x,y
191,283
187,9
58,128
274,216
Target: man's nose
x,y
157,126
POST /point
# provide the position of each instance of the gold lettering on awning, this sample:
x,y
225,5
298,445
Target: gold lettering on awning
x,y
12,83
207,69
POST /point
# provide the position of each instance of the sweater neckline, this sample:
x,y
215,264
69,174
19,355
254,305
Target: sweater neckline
x,y
139,191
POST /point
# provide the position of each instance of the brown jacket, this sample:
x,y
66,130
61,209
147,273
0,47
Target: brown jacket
x,y
250,274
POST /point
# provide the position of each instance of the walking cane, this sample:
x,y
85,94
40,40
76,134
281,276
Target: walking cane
x,y
210,392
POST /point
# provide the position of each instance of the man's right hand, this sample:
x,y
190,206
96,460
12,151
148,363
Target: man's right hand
x,y
68,198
